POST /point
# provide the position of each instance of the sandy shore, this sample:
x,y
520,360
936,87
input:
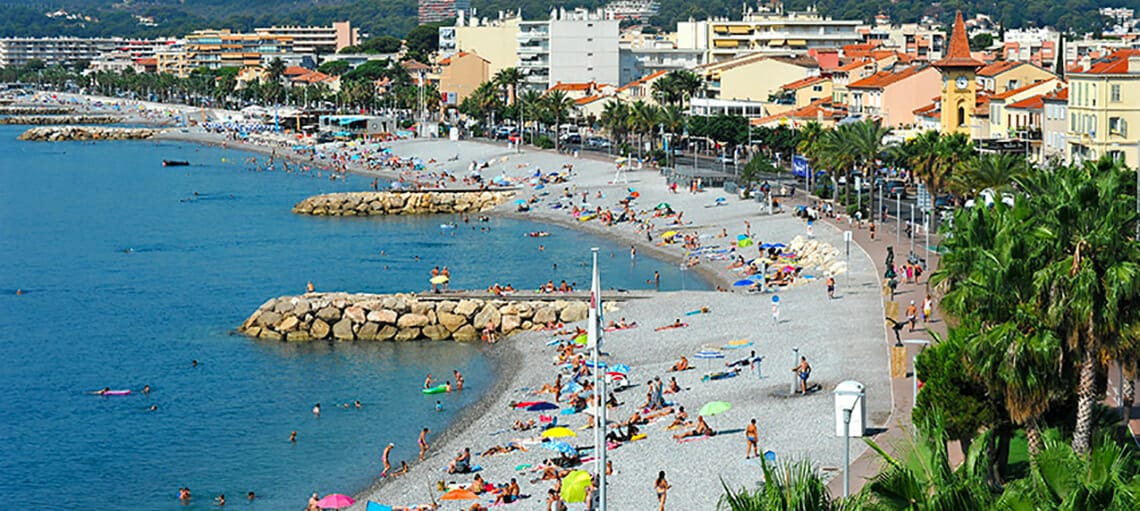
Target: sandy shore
x,y
842,338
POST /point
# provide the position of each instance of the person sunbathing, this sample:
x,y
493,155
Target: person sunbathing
x,y
676,324
501,449
478,485
636,418
680,420
523,426
461,464
659,413
673,387
702,429
682,365
509,494
618,436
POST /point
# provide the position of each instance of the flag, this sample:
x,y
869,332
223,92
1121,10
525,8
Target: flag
x,y
592,319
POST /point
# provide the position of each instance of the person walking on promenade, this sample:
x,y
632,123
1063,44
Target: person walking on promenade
x,y
775,310
662,486
911,315
927,309
446,273
804,371
830,287
753,437
871,226
423,443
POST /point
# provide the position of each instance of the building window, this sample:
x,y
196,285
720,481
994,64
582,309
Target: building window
x,y
1115,91
817,88
1117,126
961,116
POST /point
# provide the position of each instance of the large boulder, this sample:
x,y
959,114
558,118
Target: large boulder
x,y
467,307
355,314
251,320
436,332
445,306
451,321
298,336
320,329
342,330
288,324
396,303
329,313
574,311
368,332
382,316
466,333
411,320
545,315
283,306
407,334
301,307
385,333
270,334
421,308
268,318
510,323
489,314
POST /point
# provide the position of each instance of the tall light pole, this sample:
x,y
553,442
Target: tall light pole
x,y
898,217
911,236
914,373
847,413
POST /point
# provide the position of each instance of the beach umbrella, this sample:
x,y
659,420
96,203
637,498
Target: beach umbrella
x,y
617,378
558,432
520,201
374,506
439,279
561,447
778,245
541,407
766,246
459,494
743,282
720,199
663,205
741,237
740,343
571,387
581,339
715,407
620,368
668,234
746,242
335,501
574,486
590,363
709,354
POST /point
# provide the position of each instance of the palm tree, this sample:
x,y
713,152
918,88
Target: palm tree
x,y
614,115
1062,478
935,159
1091,282
811,136
529,105
559,106
275,70
509,78
787,486
996,172
644,118
926,479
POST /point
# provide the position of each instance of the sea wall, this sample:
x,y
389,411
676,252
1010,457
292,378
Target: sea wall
x,y
62,133
401,203
44,120
402,317
34,110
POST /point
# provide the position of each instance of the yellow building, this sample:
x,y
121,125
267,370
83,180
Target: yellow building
x,y
754,77
959,82
766,32
1004,75
803,92
215,49
494,40
461,74
1104,101
1001,124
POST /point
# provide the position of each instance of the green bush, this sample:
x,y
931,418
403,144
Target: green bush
x,y
544,142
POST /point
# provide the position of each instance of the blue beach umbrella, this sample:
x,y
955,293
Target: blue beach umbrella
x,y
590,363
561,447
520,201
775,298
709,354
571,387
620,368
741,237
541,407
743,282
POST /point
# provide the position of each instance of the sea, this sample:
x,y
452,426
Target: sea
x,y
117,272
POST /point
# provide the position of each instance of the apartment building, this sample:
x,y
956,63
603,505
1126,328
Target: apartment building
x,y
435,11
1001,76
922,42
1104,101
893,95
571,46
215,49
62,51
494,39
766,32
316,40
754,77
1054,124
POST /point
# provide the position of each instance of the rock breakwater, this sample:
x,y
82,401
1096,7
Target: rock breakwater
x,y
34,110
403,317
44,120
401,203
62,133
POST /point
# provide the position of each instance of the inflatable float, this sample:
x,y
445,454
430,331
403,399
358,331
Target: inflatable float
x,y
436,389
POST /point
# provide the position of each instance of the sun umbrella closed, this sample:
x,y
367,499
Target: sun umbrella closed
x,y
708,354
439,279
459,494
574,486
715,407
668,234
558,432
335,501
743,283
663,205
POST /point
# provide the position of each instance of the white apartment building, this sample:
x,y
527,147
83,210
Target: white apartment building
x,y
311,40
639,62
64,51
572,47
766,32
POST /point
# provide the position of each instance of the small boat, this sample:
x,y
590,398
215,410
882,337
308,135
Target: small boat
x,y
175,163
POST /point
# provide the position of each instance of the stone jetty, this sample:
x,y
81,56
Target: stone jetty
x,y
62,133
402,203
405,317
45,120
34,110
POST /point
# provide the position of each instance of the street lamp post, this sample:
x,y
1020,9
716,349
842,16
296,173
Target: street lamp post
x,y
795,375
911,236
847,411
914,372
898,217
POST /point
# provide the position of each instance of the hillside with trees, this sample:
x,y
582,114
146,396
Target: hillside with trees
x,y
397,17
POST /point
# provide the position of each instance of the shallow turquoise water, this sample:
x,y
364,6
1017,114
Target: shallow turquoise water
x,y
92,316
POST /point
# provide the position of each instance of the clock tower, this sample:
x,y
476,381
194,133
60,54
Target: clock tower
x,y
959,86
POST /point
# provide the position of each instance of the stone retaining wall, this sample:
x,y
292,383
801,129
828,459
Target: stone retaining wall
x,y
62,133
60,119
34,110
401,203
401,317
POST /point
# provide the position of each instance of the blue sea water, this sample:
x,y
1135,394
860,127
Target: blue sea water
x,y
207,245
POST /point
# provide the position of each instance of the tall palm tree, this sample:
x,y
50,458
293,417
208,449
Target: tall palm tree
x,y
787,486
935,159
1091,283
614,114
811,136
995,171
559,106
508,78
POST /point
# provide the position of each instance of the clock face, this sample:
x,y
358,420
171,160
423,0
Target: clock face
x,y
963,82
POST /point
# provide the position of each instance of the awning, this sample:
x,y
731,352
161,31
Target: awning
x,y
345,121
797,42
738,29
720,29
726,43
776,42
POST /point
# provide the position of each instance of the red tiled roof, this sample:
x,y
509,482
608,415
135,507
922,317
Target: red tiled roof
x,y
958,53
294,71
642,81
811,80
998,67
1058,95
885,78
147,62
588,99
568,87
1033,103
810,112
1012,92
853,65
447,61
1114,63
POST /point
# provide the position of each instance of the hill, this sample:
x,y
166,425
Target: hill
x,y
397,17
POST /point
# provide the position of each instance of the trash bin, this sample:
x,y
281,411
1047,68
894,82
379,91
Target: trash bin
x,y
849,395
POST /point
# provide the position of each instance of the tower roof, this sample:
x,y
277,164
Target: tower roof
x,y
958,53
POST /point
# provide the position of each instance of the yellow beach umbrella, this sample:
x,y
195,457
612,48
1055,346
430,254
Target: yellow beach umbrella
x,y
574,486
439,279
669,234
558,432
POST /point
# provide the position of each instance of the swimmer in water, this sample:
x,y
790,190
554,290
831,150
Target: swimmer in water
x,y
317,409
438,406
194,363
153,408
146,389
293,437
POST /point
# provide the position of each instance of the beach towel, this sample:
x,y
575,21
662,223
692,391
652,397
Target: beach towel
x,y
691,439
614,328
670,327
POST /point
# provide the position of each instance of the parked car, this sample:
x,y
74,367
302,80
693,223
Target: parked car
x,y
598,142
503,132
945,201
895,187
571,138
